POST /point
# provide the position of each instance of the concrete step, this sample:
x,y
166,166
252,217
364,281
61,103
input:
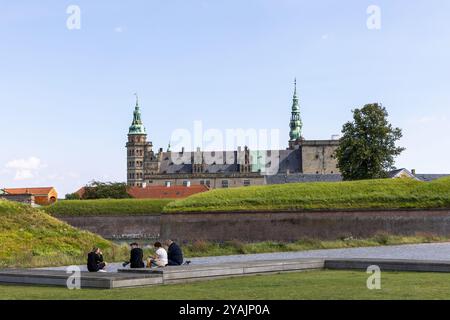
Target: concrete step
x,y
187,273
388,265
88,279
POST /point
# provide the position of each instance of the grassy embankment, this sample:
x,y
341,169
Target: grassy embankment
x,y
347,285
368,194
378,194
107,207
31,238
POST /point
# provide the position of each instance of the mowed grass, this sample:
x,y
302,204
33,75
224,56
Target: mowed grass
x,y
367,194
107,207
31,238
327,284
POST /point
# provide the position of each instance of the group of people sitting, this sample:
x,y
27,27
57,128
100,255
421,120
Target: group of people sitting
x,y
172,257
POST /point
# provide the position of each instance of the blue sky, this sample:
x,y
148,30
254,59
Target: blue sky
x,y
66,96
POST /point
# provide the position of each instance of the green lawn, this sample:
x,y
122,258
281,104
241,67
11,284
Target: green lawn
x,y
304,285
367,194
107,207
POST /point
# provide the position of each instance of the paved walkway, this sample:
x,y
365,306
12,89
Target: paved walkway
x,y
432,251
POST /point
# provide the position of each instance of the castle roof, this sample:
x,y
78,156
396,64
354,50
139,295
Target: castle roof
x,y
223,162
137,127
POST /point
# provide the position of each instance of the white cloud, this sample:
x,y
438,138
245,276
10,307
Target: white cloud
x,y
25,168
325,36
119,29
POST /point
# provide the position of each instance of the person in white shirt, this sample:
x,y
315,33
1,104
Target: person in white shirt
x,y
160,257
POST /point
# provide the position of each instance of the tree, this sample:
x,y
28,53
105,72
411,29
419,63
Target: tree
x,y
73,196
367,148
102,190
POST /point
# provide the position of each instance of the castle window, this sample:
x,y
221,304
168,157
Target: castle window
x,y
224,183
246,183
317,172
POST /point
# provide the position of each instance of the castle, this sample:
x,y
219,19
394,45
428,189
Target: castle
x,y
303,160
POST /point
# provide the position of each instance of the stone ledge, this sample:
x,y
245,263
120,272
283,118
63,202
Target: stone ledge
x,y
191,273
172,274
88,279
388,265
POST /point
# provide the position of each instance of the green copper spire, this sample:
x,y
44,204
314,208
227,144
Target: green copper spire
x,y
296,123
137,127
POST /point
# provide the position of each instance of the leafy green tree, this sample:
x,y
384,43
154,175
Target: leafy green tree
x,y
103,190
368,146
72,196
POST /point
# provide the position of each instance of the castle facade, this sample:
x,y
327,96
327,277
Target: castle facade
x,y
303,160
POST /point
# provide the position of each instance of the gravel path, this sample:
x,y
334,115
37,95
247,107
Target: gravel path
x,y
431,251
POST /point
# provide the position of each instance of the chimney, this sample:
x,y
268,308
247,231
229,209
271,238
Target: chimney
x,y
413,171
182,150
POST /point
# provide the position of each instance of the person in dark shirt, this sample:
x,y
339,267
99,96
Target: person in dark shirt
x,y
136,257
95,261
174,254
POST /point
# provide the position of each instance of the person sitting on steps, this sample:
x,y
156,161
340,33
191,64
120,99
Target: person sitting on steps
x,y
136,257
95,261
160,257
174,253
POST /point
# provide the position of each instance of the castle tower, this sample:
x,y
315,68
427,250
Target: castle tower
x,y
137,147
295,125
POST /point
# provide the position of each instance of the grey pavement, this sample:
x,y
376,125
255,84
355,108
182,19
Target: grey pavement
x,y
430,252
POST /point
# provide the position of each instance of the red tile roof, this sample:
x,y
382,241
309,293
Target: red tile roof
x,y
162,192
81,191
34,191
